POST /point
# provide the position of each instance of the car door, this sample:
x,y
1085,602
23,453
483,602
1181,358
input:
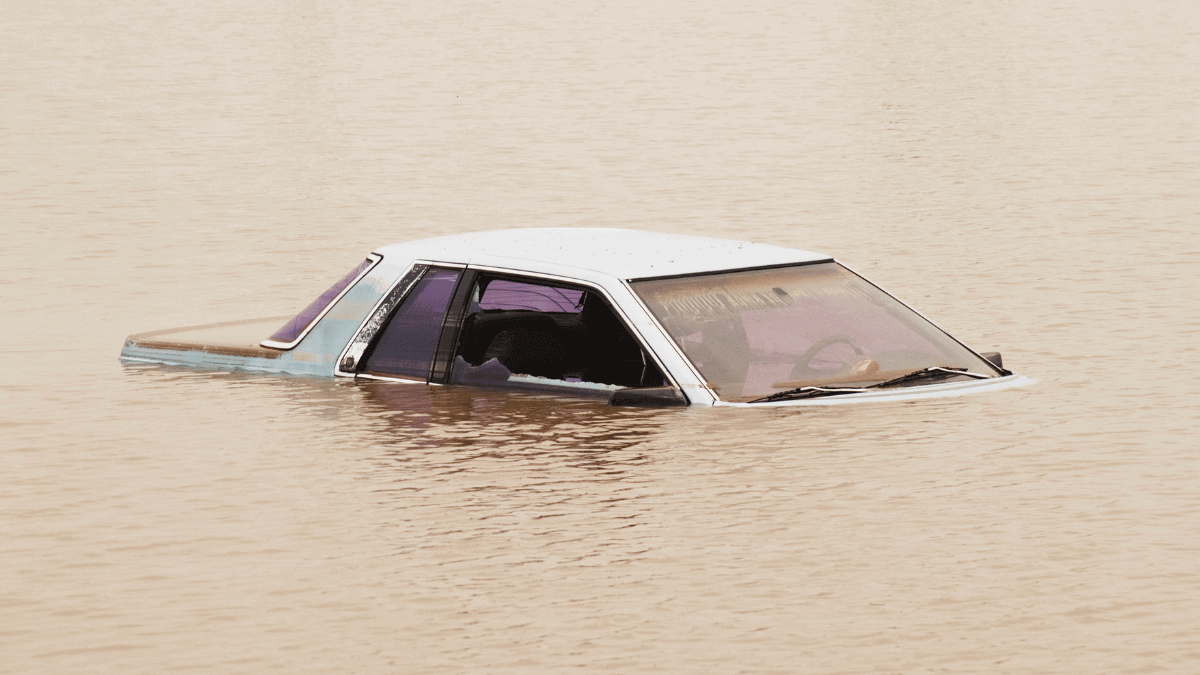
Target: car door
x,y
505,330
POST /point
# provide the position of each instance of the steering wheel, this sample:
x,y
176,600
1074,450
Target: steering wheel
x,y
806,358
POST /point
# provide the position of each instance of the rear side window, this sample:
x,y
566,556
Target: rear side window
x,y
290,333
409,339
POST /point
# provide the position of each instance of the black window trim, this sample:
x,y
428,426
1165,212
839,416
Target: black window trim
x,y
443,355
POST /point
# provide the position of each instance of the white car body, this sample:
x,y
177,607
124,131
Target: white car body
x,y
604,262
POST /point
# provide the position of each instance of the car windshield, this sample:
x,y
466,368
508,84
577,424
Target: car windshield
x,y
759,332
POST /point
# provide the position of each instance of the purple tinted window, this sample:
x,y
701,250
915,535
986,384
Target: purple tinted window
x,y
410,338
510,295
295,327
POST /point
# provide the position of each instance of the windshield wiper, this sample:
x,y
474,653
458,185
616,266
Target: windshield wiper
x,y
808,392
930,373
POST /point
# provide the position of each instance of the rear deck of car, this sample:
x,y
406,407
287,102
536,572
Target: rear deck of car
x,y
228,338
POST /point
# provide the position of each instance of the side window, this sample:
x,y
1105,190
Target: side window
x,y
408,341
528,334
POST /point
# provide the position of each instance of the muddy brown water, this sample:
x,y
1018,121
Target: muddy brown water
x,y
1027,174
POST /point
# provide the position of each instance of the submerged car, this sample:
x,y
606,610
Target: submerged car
x,y
637,318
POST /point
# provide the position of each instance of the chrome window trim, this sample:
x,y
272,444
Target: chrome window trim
x,y
370,326
347,362
383,378
629,324
439,263
274,344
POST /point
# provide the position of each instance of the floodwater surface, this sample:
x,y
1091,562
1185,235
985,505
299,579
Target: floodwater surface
x,y
1027,174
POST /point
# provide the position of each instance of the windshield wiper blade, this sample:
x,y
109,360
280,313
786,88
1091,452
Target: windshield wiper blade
x,y
808,392
932,372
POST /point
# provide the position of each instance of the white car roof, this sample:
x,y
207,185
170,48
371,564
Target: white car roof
x,y
625,254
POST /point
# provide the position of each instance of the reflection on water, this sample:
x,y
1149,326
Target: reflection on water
x,y
514,469
459,422
1023,174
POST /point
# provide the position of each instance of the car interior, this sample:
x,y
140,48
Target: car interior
x,y
547,331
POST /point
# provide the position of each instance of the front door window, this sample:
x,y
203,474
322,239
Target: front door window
x,y
529,334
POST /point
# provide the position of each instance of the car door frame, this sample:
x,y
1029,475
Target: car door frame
x,y
350,360
456,314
